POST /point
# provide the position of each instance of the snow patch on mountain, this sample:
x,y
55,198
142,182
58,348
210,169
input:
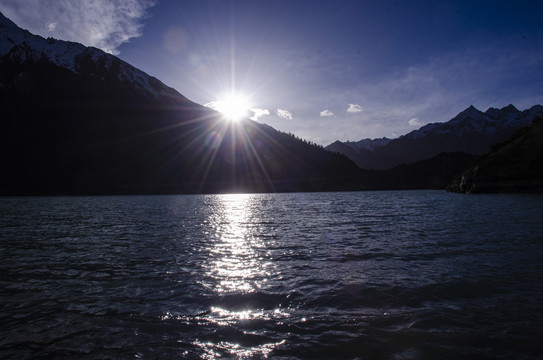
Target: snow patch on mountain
x,y
21,45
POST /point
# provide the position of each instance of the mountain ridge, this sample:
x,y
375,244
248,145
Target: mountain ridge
x,y
471,131
515,165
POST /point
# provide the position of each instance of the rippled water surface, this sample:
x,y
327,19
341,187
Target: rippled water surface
x,y
368,275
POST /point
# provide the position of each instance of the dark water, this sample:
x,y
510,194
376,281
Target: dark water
x,y
368,275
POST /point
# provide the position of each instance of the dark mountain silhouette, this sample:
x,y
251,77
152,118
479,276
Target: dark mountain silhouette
x,y
513,166
471,131
76,120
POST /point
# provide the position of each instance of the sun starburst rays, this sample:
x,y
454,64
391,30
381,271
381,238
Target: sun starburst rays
x,y
221,155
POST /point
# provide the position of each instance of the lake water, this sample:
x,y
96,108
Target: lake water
x,y
367,275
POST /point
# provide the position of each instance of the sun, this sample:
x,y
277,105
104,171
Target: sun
x,y
233,106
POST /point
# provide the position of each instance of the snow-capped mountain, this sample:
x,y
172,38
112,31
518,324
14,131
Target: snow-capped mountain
x,y
471,131
21,46
489,122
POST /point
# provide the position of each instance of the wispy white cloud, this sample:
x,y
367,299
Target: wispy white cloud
x,y
414,122
104,24
284,114
354,108
51,26
211,105
258,113
327,113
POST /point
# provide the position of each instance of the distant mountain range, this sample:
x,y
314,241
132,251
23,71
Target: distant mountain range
x,y
471,131
76,120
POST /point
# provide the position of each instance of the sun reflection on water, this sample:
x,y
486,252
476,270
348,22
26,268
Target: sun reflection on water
x,y
226,317
237,266
213,351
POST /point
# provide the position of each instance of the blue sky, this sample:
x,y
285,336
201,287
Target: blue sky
x,y
323,70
